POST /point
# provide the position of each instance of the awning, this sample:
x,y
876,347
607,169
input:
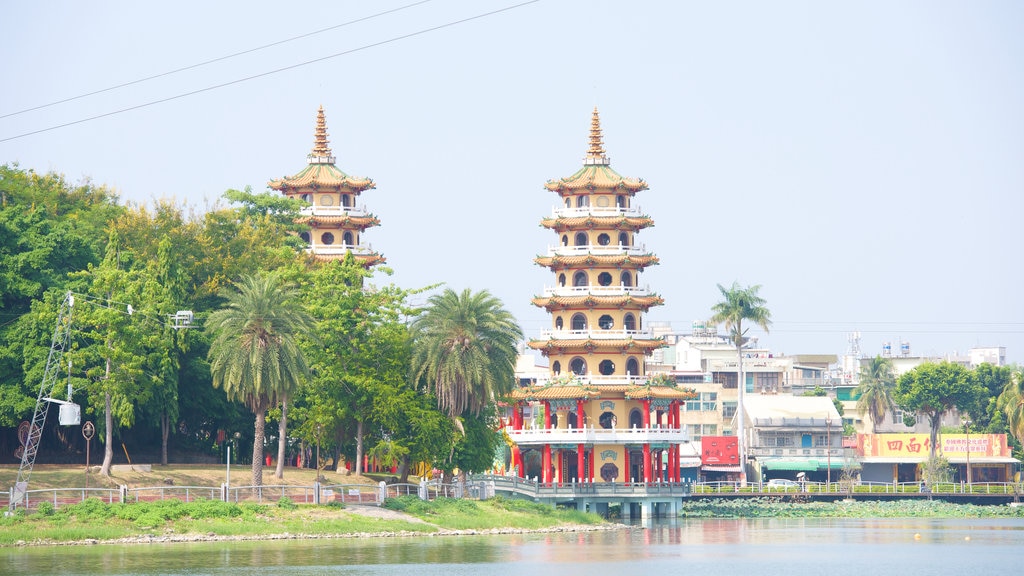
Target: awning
x,y
804,464
721,468
689,462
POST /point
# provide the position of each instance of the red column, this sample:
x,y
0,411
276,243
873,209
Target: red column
x,y
647,462
647,413
625,461
590,469
547,415
580,472
560,463
579,414
545,464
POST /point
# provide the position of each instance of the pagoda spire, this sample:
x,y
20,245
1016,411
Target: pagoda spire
x,y
596,153
321,153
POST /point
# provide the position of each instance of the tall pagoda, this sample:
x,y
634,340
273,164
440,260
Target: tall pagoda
x,y
336,220
598,417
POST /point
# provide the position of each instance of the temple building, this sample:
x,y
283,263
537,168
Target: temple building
x,y
335,218
598,417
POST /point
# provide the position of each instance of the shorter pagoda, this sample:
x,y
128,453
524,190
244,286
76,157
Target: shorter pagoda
x,y
336,220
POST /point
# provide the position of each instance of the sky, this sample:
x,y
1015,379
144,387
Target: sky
x,y
862,162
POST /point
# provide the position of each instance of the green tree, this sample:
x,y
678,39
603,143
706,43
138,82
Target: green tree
x,y
874,392
254,356
933,389
464,350
739,305
994,380
1011,403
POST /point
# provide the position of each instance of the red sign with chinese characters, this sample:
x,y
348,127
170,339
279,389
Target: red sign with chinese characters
x,y
719,451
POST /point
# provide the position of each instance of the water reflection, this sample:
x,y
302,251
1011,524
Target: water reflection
x,y
771,547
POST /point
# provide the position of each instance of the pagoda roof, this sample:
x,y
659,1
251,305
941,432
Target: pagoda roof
x,y
596,172
345,221
630,223
590,391
632,260
321,173
552,303
645,344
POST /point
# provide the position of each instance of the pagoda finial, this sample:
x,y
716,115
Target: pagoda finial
x,y
321,153
596,154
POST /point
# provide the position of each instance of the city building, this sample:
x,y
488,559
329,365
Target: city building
x,y
597,416
794,437
334,216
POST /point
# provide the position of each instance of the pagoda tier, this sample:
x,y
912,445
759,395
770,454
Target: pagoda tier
x,y
618,261
590,301
582,390
620,345
335,221
623,223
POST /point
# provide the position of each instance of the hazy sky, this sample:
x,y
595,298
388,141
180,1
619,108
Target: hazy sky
x,y
862,161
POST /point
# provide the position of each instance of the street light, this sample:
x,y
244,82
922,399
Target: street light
x,y
967,430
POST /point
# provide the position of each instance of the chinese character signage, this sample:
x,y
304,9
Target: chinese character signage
x,y
914,446
719,451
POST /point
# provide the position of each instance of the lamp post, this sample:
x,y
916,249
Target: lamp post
x,y
828,453
967,430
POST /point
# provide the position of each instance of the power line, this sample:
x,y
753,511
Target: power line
x,y
219,59
271,72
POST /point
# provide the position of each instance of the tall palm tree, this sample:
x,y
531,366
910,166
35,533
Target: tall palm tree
x,y
254,356
1011,401
464,349
740,304
874,392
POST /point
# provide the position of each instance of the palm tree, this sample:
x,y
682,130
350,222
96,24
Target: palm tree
x,y
874,392
464,349
1011,401
740,304
254,356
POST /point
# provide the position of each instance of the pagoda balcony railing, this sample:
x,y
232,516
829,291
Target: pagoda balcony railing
x,y
595,379
597,249
341,249
596,290
334,211
595,334
563,212
590,435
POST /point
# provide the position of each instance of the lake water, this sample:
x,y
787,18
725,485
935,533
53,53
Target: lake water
x,y
770,547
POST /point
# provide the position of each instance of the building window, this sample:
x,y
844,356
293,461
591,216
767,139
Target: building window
x,y
327,238
604,279
728,410
629,322
607,420
725,379
348,239
305,237
579,322
605,322
307,198
768,382
565,239
620,201
568,203
345,201
578,366
606,367
556,367
581,238
623,239
579,279
627,279
582,201
604,239
704,402
558,323
561,280
632,367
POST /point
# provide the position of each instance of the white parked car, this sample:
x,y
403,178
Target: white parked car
x,y
782,484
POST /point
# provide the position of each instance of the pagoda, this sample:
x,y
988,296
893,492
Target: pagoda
x,y
336,220
598,417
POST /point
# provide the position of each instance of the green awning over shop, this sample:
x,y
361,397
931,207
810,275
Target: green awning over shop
x,y
800,464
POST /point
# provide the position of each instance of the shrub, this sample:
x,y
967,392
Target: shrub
x,y
45,508
149,519
286,503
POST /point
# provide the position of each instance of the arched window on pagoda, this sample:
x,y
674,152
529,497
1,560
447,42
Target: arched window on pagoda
x,y
346,201
327,238
556,368
636,419
629,322
632,367
573,421
627,279
579,279
558,323
561,280
348,239
581,239
307,198
565,239
623,239
568,202
582,201
305,237
578,366
579,322
606,367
